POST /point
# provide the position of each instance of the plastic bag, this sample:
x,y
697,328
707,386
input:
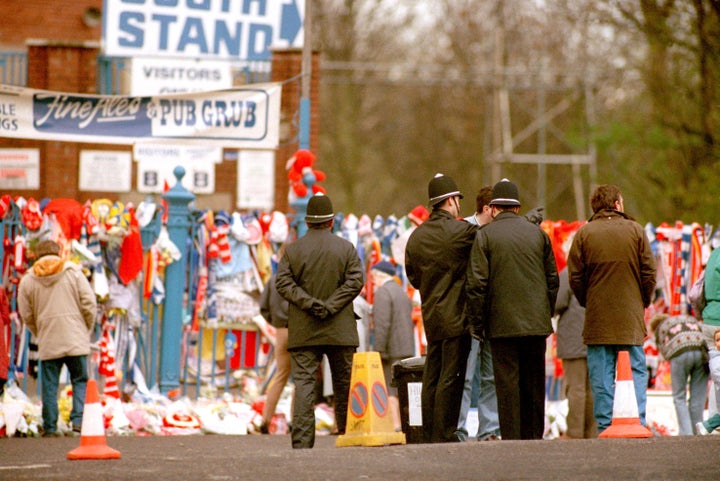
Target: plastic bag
x,y
696,295
167,251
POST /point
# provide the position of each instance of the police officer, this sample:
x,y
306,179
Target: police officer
x,y
436,259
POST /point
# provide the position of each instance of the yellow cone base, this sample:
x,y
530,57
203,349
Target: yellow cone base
x,y
369,439
369,420
93,447
626,428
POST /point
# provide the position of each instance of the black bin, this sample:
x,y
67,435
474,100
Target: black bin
x,y
407,378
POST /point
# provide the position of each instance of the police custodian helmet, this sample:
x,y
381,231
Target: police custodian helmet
x,y
440,188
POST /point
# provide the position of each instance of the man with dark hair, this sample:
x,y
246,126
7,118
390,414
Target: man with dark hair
x,y
58,306
512,283
479,372
612,273
436,258
319,275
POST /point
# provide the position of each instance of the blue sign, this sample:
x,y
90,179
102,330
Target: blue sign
x,y
208,29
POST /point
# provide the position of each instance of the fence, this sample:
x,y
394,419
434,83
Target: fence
x,y
169,343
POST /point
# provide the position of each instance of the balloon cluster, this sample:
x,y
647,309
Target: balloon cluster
x,y
303,178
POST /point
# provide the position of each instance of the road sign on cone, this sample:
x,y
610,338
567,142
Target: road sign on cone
x,y
369,422
626,419
92,436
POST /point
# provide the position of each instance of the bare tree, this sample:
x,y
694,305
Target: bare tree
x,y
407,91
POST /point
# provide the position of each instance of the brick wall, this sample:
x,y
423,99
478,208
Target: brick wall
x,y
287,65
48,19
64,67
62,57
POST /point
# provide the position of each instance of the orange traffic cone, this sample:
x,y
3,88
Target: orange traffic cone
x,y
626,420
92,436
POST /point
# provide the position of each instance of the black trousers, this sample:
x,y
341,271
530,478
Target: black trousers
x,y
519,368
442,388
305,364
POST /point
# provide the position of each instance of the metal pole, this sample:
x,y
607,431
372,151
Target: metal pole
x,y
304,131
542,134
500,143
306,80
178,227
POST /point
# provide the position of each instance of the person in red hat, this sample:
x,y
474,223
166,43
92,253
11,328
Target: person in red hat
x,y
436,258
58,306
320,275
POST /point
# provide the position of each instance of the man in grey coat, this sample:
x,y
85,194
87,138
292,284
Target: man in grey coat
x,y
319,275
393,327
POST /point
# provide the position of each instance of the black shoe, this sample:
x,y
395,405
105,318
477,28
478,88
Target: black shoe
x,y
55,434
264,428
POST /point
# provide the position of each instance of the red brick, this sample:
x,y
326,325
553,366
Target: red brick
x,y
65,60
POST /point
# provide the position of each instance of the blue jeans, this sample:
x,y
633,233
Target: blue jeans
x,y
480,368
602,365
50,378
689,368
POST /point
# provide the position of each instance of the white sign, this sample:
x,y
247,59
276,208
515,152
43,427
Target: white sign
x,y
155,76
177,153
246,117
19,169
256,180
105,171
218,29
153,174
415,403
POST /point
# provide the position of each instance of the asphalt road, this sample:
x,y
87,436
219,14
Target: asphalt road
x,y
256,457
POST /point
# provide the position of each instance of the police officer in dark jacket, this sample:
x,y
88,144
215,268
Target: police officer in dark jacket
x,y
320,275
436,259
512,284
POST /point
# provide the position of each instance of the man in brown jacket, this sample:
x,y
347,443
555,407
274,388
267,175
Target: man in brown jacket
x,y
612,273
58,306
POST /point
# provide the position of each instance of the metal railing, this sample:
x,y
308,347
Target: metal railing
x,y
139,347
